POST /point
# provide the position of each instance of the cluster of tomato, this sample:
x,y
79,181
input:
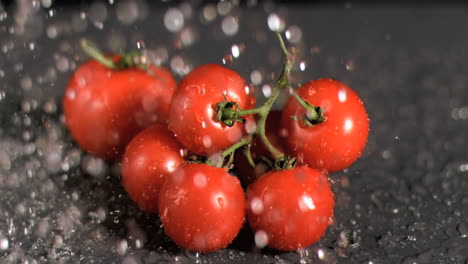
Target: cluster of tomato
x,y
179,143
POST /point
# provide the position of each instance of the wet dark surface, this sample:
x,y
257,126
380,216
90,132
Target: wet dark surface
x,y
404,201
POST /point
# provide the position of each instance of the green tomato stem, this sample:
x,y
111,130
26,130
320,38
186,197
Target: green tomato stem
x,y
92,51
234,147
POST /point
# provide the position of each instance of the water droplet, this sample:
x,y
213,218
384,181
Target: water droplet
x,y
207,141
261,239
234,134
4,244
275,23
256,205
199,180
127,12
121,247
236,50
350,65
178,176
306,203
267,90
188,36
230,25
216,159
256,77
94,166
342,95
173,20
348,125
97,12
250,126
62,64
179,66
224,7
293,34
209,13
302,65
463,167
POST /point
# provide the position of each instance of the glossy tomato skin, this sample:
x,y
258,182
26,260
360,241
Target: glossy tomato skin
x,y
193,109
338,141
150,157
292,207
202,208
105,108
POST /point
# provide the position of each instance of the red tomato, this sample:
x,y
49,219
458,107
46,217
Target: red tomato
x,y
338,141
150,157
201,207
193,109
246,172
105,108
290,209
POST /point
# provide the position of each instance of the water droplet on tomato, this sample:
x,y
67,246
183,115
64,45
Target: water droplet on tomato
x,y
250,126
178,176
207,141
71,94
342,95
256,205
306,203
199,180
234,134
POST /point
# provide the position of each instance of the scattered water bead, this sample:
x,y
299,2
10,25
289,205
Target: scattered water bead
x,y
224,7
188,36
94,166
97,12
256,77
261,239
62,64
293,34
78,22
121,247
230,25
350,65
303,65
173,20
4,243
209,13
275,23
127,11
267,90
179,66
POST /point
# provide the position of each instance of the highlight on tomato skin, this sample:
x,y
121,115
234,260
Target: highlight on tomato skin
x,y
192,115
202,208
290,209
150,157
105,108
339,140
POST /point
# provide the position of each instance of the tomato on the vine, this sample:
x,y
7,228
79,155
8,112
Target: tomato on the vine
x,y
104,108
150,157
290,209
201,207
192,115
335,143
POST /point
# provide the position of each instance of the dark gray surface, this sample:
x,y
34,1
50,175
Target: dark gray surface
x,y
405,200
